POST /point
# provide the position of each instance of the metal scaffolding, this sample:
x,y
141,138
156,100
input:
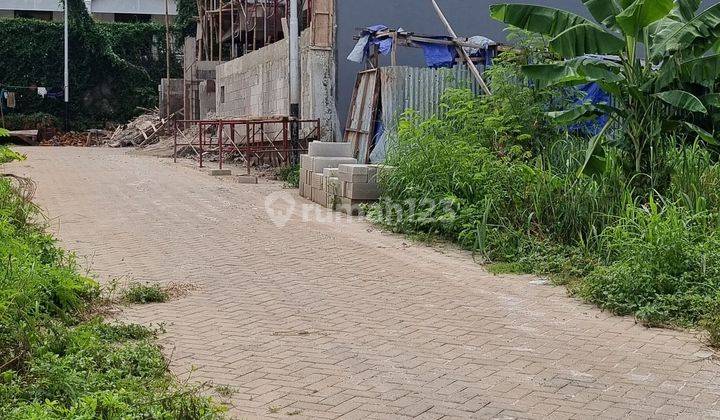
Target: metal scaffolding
x,y
228,29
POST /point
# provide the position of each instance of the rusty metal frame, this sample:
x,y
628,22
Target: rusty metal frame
x,y
259,140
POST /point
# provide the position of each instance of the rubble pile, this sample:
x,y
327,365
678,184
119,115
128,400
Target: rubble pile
x,y
76,139
143,131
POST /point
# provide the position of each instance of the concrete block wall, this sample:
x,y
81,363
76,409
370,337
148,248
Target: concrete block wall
x,y
257,85
206,94
170,90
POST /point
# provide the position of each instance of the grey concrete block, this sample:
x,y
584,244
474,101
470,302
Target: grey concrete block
x,y
307,191
362,191
306,162
320,163
332,185
219,172
317,180
326,149
349,206
357,178
330,172
354,168
247,179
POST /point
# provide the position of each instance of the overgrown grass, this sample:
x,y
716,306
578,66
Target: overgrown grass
x,y
145,293
57,364
643,244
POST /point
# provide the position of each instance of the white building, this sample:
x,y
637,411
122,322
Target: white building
x,y
103,10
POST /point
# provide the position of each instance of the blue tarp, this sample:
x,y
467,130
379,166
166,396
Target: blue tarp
x,y
438,56
591,93
368,38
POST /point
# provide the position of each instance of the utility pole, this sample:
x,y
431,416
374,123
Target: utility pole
x,y
67,73
294,43
167,58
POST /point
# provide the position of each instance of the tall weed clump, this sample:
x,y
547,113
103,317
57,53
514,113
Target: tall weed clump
x,y
661,263
55,361
501,180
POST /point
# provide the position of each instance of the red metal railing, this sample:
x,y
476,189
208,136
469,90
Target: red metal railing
x,y
255,141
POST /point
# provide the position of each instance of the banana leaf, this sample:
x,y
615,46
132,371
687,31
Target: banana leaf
x,y
686,9
539,19
574,71
702,71
575,114
641,14
698,35
586,39
683,100
604,11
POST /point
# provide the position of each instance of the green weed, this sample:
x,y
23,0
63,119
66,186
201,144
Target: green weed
x,y
643,244
57,364
145,293
290,175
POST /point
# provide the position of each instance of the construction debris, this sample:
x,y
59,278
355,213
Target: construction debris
x,y
142,131
78,139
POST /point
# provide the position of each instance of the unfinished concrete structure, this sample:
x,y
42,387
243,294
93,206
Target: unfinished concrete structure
x,y
170,90
256,84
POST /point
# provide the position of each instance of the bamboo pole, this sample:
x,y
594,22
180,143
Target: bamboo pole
x,y
461,50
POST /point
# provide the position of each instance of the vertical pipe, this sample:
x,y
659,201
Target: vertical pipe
x,y
220,144
220,30
294,42
167,58
232,29
202,140
286,146
175,142
247,147
67,72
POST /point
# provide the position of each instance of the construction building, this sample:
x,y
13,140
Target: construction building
x,y
102,10
240,47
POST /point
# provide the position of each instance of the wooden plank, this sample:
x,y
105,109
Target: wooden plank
x,y
360,128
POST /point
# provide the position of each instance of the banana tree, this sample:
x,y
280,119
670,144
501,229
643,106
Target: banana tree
x,y
655,57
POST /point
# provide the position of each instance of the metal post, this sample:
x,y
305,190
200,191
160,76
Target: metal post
x,y
67,72
220,145
175,142
167,58
247,146
202,140
294,43
233,53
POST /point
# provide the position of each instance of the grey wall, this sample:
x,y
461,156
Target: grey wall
x,y
468,17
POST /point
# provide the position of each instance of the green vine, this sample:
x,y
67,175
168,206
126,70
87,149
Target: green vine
x,y
114,67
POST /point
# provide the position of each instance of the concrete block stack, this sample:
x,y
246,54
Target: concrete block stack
x,y
321,156
358,184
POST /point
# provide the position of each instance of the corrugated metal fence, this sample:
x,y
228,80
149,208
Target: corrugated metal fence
x,y
416,88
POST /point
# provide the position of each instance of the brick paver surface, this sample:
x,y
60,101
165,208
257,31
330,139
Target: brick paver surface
x,y
326,319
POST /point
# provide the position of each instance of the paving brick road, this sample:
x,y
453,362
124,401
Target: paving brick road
x,y
332,318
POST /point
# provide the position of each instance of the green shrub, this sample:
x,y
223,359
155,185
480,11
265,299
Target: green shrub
x,y
662,263
8,155
523,207
290,175
145,293
56,364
